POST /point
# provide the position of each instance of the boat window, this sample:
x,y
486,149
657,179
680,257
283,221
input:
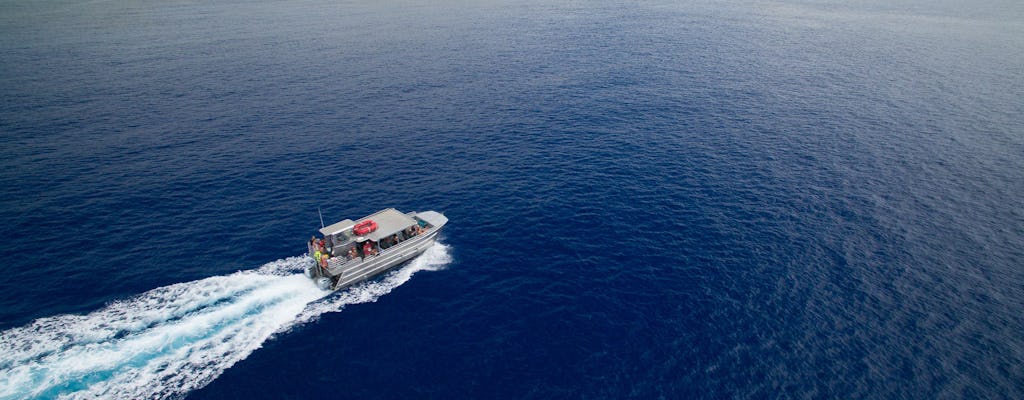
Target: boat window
x,y
390,241
351,252
423,224
368,248
416,229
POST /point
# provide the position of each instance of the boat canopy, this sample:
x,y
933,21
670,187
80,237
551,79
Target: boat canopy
x,y
389,222
338,227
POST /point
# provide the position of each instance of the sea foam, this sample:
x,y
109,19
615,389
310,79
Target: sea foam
x,y
174,339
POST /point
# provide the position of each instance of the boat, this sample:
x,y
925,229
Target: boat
x,y
350,252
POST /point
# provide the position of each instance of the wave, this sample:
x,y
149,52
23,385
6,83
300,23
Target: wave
x,y
178,338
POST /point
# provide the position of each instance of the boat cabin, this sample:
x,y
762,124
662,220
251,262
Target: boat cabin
x,y
351,240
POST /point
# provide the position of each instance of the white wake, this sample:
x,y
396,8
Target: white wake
x,y
171,340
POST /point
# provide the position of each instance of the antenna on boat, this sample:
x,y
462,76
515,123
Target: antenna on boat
x,y
321,217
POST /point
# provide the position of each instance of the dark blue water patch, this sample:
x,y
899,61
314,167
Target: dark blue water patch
x,y
660,200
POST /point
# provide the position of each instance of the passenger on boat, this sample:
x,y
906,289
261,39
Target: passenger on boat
x,y
352,253
368,249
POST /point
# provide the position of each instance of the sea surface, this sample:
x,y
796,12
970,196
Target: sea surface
x,y
648,199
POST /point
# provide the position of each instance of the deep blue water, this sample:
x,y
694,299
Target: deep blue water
x,y
809,199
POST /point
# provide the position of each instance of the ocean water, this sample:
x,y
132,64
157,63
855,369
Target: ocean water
x,y
653,199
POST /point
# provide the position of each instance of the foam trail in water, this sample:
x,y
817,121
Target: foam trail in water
x,y
171,340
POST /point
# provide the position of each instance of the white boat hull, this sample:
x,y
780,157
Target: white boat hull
x,y
341,272
372,266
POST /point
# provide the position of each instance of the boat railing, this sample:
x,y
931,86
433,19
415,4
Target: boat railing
x,y
343,260
339,261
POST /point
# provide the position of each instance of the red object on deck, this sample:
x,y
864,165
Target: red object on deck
x,y
364,227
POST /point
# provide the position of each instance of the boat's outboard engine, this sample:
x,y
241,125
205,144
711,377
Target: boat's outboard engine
x,y
309,272
324,283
